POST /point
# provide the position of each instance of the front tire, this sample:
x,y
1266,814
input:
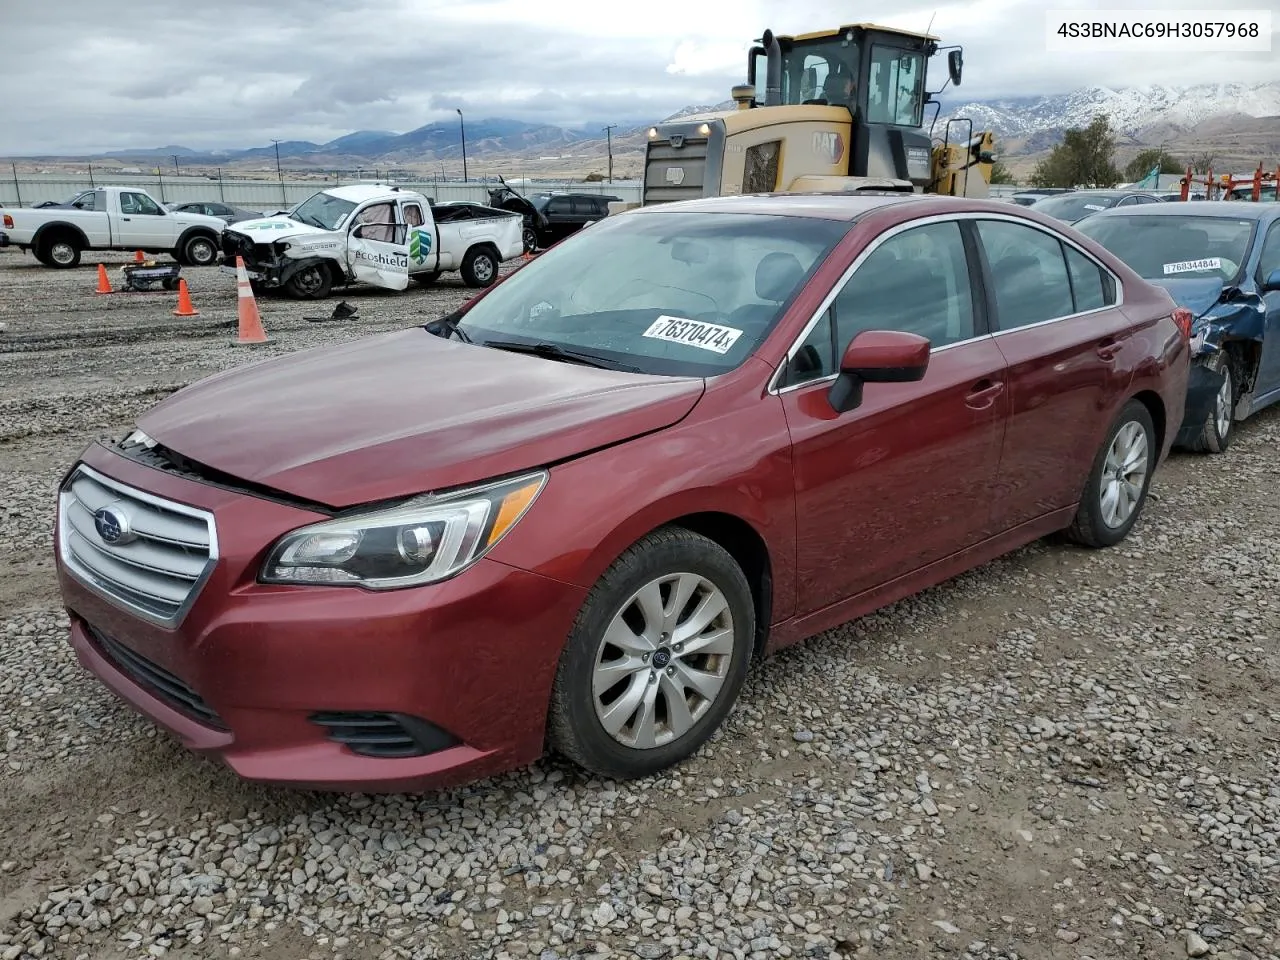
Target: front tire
x,y
530,239
656,658
1215,435
1116,490
310,283
199,251
479,267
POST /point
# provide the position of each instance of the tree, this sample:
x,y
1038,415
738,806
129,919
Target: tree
x,y
1083,159
1202,163
1141,165
1000,174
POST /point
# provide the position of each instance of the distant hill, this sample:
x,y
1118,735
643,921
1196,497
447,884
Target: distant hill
x,y
1240,117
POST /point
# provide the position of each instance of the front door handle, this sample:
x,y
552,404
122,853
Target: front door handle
x,y
983,394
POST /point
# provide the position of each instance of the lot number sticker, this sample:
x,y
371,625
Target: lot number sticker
x,y
694,333
1190,266
1093,206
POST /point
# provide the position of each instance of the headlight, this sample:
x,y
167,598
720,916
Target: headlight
x,y
422,541
136,439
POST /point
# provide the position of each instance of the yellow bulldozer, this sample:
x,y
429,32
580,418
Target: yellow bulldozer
x,y
843,110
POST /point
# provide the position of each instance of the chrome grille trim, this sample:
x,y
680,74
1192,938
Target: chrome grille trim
x,y
156,576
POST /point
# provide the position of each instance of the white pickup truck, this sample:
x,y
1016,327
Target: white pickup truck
x,y
110,218
376,234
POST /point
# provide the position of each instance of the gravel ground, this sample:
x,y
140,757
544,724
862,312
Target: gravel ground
x,y
1063,754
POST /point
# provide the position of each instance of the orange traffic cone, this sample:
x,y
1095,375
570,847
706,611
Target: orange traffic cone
x,y
185,309
251,332
104,285
139,258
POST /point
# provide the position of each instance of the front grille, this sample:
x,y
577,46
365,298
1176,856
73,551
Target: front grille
x,y
161,556
384,735
689,163
157,680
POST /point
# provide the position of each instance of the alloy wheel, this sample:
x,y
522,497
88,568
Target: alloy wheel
x,y
1124,474
663,660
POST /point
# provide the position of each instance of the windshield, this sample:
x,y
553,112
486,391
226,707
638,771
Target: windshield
x,y
1074,207
323,210
819,70
675,294
1174,247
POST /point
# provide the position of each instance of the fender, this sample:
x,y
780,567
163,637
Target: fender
x,y
60,225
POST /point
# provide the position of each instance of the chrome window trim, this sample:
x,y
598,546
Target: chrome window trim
x,y
892,232
90,582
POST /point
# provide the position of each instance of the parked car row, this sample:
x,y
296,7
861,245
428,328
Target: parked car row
x,y
623,473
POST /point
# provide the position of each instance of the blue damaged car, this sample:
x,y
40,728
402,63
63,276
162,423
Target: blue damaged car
x,y
1221,260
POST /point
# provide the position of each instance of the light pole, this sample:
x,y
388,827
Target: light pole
x,y
462,125
279,173
176,171
608,132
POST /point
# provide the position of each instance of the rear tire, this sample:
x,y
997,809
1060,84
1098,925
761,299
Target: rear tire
x,y
1215,435
60,252
677,612
1116,490
479,267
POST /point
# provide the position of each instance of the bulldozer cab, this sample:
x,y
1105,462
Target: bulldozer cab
x,y
835,110
876,73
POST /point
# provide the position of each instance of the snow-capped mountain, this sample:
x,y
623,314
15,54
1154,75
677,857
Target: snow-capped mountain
x,y
1130,110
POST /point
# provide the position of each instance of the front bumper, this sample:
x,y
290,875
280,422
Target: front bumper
x,y
274,680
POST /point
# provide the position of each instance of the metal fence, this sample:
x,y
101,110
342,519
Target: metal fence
x,y
269,195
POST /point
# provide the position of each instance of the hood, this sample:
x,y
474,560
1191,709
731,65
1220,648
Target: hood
x,y
1196,294
199,220
268,229
404,413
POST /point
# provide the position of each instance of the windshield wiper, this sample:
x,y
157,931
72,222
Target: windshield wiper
x,y
447,325
553,351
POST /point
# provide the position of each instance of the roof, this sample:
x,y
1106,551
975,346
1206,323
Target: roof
x,y
1235,209
818,34
1106,192
360,192
827,206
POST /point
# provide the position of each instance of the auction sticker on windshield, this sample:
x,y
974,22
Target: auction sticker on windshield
x,y
1191,266
693,333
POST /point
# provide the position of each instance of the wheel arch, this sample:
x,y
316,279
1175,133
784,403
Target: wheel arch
x,y
1159,416
187,235
749,550
58,228
487,245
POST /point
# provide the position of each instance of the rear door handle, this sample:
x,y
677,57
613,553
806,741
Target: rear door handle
x,y
983,394
1110,347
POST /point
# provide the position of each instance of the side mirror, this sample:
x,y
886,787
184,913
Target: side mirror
x,y
878,356
955,65
1272,281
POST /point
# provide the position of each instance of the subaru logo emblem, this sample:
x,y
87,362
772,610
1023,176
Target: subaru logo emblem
x,y
112,525
677,140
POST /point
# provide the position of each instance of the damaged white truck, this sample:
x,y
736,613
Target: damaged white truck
x,y
375,234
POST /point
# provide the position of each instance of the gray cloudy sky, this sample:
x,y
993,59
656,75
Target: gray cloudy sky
x,y
239,72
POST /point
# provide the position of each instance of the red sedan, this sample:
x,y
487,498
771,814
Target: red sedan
x,y
572,513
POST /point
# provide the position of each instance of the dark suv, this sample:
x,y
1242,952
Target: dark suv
x,y
567,213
